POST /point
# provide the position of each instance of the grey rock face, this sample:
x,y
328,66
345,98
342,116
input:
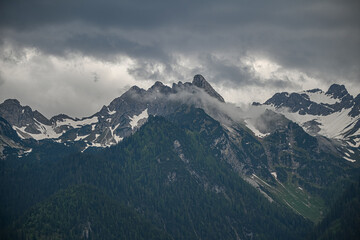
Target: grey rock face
x,y
200,82
9,139
22,116
355,111
337,91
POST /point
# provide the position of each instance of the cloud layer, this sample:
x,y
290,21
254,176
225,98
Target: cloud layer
x,y
91,51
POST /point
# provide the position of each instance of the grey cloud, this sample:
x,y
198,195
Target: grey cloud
x,y
125,13
157,71
2,80
145,70
319,38
107,45
200,14
225,71
87,41
236,74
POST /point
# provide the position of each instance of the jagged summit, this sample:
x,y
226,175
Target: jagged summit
x,y
129,111
200,82
315,101
19,115
113,122
337,91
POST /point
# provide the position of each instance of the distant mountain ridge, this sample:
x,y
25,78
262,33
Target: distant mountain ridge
x,y
333,114
317,102
106,127
294,152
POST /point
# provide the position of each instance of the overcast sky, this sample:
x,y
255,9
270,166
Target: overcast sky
x,y
73,57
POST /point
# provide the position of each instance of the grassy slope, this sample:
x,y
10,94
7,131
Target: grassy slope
x,y
291,195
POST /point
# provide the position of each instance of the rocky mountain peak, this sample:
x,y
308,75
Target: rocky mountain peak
x,y
200,82
158,84
19,115
160,87
337,91
10,102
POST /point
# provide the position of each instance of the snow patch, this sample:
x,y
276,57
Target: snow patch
x,y
20,131
117,138
96,145
321,97
254,129
112,112
357,143
334,125
86,147
349,159
28,151
77,123
81,137
136,118
46,132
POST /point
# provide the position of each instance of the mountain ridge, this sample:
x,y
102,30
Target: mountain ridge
x,y
314,110
164,137
333,114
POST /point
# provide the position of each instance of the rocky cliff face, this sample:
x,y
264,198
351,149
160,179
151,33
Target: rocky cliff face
x,y
200,82
10,142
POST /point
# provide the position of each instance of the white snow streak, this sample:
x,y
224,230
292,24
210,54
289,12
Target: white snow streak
x,y
136,118
349,159
77,123
321,97
274,174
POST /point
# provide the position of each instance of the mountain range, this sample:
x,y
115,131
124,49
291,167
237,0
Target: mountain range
x,y
148,148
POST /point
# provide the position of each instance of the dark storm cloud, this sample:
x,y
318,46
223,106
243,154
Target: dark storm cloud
x,y
320,38
107,45
102,45
226,71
